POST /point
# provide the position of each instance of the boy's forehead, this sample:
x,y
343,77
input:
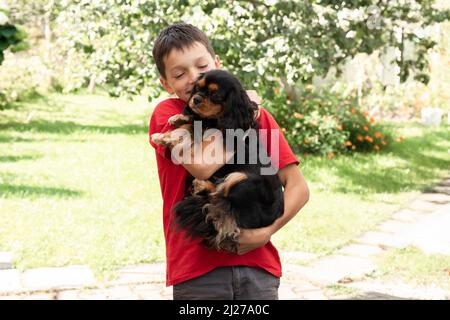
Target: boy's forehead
x,y
179,58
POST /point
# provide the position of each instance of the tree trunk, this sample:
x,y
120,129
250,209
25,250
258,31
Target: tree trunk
x,y
91,86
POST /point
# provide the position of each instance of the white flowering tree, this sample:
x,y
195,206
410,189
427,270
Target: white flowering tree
x,y
264,42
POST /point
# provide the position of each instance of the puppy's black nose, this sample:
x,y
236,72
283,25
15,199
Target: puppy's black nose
x,y
197,100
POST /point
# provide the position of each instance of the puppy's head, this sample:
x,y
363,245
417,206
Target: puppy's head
x,y
219,95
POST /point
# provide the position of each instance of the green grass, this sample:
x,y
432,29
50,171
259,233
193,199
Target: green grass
x,y
351,194
412,265
79,185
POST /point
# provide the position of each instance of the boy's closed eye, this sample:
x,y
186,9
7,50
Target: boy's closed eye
x,y
181,74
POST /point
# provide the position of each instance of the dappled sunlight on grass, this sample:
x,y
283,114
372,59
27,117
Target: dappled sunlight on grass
x,y
79,185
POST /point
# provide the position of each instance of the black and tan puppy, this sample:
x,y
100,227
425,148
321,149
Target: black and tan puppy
x,y
237,195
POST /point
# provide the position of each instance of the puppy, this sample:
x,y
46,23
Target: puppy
x,y
237,195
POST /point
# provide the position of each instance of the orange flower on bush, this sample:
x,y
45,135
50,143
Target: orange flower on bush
x,y
348,143
360,137
368,139
399,139
283,130
378,134
331,155
353,110
366,128
371,120
340,127
383,143
297,115
375,147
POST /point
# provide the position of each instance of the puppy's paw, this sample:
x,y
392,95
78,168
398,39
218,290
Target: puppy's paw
x,y
159,138
203,185
179,119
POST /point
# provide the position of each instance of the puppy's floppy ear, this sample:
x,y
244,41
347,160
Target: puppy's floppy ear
x,y
239,111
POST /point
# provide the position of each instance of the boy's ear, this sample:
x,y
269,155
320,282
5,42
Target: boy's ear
x,y
217,62
166,85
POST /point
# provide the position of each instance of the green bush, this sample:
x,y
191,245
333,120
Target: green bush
x,y
22,78
325,123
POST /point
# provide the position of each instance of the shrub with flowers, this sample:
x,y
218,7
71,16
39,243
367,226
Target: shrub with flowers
x,y
365,134
326,123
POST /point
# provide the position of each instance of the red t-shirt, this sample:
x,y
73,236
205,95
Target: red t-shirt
x,y
186,258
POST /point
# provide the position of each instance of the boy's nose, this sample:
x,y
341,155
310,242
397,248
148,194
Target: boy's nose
x,y
193,76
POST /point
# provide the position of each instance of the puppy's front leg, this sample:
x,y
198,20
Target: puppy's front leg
x,y
172,138
179,119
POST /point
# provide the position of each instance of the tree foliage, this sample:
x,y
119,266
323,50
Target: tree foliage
x,y
262,41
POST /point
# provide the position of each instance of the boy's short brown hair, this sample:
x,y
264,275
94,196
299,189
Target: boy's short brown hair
x,y
179,36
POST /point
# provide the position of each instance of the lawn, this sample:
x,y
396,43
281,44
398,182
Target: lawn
x,y
412,265
79,185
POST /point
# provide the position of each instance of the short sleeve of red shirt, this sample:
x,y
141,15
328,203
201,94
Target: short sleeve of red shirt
x,y
277,147
159,121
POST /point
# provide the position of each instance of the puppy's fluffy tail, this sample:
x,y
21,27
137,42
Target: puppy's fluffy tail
x,y
190,215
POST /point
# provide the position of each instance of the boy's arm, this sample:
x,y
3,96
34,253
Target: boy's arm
x,y
296,195
205,168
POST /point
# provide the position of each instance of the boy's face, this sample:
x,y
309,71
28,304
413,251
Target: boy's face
x,y
184,67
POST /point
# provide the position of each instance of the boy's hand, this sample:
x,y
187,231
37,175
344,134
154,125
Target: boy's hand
x,y
250,239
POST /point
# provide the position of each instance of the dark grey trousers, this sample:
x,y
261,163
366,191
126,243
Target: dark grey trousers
x,y
230,283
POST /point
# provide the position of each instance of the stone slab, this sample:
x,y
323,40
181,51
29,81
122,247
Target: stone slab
x,y
361,250
6,260
407,216
431,234
330,270
382,239
142,273
437,198
9,280
50,278
399,290
393,226
423,206
148,292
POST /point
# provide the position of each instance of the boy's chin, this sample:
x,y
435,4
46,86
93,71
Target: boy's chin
x,y
181,97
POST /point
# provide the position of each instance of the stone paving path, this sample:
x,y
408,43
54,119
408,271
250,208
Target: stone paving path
x,y
424,223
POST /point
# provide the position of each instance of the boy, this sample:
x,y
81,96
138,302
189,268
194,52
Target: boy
x,y
181,53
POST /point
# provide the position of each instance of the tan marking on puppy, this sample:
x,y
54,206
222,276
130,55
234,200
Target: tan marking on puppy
x,y
206,109
227,229
213,87
201,83
230,181
202,185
